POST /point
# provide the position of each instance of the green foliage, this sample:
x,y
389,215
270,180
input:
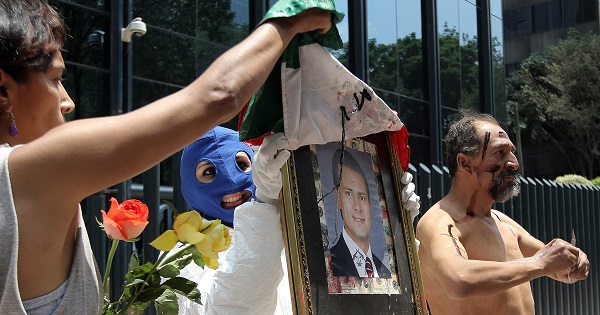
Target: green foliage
x,y
156,283
596,181
573,179
554,96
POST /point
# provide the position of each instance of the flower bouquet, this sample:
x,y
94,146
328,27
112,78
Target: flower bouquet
x,y
156,283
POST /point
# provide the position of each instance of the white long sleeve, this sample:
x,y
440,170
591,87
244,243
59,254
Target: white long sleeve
x,y
250,278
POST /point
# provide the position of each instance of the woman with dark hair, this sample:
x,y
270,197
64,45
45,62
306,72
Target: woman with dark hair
x,y
48,166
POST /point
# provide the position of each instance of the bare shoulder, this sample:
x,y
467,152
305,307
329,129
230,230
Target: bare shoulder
x,y
434,219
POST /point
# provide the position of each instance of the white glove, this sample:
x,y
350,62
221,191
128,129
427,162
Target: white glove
x,y
265,170
410,200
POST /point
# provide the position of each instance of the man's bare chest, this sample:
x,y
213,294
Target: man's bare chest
x,y
489,240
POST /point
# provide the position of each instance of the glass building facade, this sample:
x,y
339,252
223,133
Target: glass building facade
x,y
426,59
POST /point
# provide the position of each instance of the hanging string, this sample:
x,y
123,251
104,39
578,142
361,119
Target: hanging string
x,y
336,186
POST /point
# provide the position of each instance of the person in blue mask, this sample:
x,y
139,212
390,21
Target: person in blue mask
x,y
218,176
222,179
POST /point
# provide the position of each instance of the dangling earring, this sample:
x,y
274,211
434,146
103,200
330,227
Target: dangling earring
x,y
12,129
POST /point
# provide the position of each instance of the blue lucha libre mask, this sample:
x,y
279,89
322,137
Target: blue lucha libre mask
x,y
231,183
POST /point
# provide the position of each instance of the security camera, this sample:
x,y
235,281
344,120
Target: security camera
x,y
96,38
136,27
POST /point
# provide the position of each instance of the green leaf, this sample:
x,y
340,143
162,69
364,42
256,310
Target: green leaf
x,y
184,260
142,306
169,271
195,296
134,262
134,282
197,257
130,287
150,294
180,285
166,304
139,272
99,223
154,280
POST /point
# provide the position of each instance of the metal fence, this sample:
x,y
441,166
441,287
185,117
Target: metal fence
x,y
547,210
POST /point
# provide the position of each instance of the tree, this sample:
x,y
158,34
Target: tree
x,y
555,96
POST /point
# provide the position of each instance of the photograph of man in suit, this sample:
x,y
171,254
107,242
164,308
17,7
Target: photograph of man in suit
x,y
352,255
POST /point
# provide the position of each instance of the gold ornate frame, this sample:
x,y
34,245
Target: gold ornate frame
x,y
306,277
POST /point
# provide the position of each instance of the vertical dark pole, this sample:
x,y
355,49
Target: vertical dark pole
x,y
151,198
122,192
432,64
424,187
486,72
178,200
257,9
116,58
358,47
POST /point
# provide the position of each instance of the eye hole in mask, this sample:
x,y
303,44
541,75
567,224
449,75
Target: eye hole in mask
x,y
243,161
206,172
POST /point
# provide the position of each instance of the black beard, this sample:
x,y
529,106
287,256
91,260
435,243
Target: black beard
x,y
502,193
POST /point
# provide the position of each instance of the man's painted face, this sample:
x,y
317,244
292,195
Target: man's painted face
x,y
502,190
353,200
498,159
216,174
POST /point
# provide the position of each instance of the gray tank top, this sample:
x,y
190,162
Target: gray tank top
x,y
80,294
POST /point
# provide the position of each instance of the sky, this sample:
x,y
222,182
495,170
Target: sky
x,y
391,19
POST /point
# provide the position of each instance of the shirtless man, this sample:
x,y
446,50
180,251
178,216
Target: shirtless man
x,y
476,260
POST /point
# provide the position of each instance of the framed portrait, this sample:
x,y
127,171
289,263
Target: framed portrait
x,y
350,245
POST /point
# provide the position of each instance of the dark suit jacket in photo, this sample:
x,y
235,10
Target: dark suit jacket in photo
x,y
342,263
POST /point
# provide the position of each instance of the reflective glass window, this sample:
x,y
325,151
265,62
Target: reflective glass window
x,y
86,54
546,16
517,22
498,60
459,64
396,65
580,11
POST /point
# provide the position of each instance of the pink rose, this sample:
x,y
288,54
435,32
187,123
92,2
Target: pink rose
x,y
125,221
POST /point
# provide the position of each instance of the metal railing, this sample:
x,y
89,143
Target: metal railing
x,y
546,209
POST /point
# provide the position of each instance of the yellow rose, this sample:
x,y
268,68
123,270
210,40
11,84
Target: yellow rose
x,y
187,228
211,263
219,234
205,247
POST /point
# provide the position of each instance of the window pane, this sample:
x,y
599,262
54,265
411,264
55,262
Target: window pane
x,y
516,22
546,17
86,75
458,54
580,11
395,57
498,69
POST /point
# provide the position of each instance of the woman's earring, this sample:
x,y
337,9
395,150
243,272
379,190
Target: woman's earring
x,y
12,129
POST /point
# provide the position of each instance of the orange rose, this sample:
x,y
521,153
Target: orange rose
x,y
125,221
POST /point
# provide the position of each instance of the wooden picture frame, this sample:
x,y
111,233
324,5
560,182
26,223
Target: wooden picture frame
x,y
312,227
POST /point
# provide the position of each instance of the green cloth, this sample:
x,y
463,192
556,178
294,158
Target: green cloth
x,y
265,110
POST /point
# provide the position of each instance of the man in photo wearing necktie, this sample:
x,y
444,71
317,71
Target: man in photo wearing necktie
x,y
352,255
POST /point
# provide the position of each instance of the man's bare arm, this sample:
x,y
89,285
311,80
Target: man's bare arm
x,y
530,246
461,277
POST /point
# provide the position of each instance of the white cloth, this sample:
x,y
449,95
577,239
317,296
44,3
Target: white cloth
x,y
252,274
313,94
